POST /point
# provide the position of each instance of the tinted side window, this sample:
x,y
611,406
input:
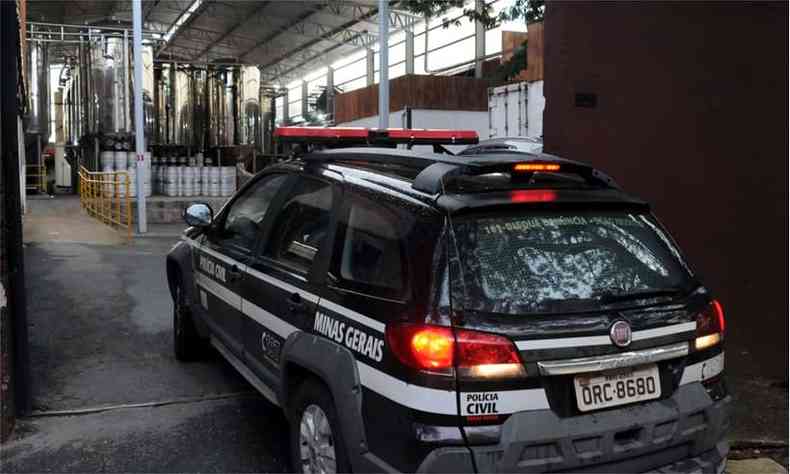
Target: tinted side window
x,y
244,219
301,225
369,254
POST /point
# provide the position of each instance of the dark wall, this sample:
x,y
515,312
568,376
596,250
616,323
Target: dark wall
x,y
686,106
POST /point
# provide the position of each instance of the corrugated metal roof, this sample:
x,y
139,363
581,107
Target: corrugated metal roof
x,y
287,38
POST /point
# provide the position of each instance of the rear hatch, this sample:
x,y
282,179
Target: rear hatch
x,y
553,277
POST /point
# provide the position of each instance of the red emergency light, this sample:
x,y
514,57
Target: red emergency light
x,y
373,136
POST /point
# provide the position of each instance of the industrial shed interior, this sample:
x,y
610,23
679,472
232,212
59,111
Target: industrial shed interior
x,y
218,77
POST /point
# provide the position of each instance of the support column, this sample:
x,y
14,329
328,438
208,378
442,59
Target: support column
x,y
384,64
480,41
139,138
370,67
330,92
305,104
409,51
286,114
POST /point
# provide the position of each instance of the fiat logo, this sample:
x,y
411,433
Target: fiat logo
x,y
620,333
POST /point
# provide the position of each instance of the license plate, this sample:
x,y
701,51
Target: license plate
x,y
617,387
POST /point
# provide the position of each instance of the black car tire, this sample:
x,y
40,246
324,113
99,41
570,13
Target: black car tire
x,y
314,393
187,342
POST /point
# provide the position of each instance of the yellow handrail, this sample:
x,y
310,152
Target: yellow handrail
x,y
39,175
105,196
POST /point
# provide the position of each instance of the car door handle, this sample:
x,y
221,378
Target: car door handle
x,y
234,273
295,302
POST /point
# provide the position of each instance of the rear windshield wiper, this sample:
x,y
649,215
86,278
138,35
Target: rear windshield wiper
x,y
609,297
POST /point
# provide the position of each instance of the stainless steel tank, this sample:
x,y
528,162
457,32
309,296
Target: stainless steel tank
x,y
248,105
162,111
38,89
183,107
107,68
222,105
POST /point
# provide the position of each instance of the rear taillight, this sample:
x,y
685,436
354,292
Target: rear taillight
x,y
435,349
710,326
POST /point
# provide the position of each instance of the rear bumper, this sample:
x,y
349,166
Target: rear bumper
x,y
683,433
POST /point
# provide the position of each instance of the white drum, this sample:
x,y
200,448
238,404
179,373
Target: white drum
x,y
131,159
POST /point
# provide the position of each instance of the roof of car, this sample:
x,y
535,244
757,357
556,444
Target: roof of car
x,y
398,171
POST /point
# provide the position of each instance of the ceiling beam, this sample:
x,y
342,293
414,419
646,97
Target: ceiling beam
x,y
282,29
245,18
354,13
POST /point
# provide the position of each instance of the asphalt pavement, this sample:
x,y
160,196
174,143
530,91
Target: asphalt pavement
x,y
109,395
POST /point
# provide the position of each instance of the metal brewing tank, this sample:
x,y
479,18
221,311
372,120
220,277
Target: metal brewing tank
x,y
198,93
107,71
38,89
183,107
221,105
109,92
248,105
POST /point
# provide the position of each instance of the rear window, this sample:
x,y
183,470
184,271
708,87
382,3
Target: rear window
x,y
543,263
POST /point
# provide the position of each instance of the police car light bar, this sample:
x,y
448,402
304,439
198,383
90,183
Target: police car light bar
x,y
373,136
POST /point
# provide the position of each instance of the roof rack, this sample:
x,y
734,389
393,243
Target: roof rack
x,y
435,167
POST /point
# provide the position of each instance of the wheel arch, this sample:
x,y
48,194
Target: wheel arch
x,y
308,355
179,266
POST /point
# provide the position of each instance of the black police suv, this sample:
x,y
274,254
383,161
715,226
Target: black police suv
x,y
506,312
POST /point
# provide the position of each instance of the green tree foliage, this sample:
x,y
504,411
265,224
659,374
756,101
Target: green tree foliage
x,y
510,68
529,10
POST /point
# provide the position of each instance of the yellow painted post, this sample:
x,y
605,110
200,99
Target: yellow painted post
x,y
117,197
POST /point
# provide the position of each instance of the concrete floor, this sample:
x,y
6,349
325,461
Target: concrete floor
x,y
100,329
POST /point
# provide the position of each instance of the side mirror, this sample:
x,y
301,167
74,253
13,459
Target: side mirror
x,y
198,215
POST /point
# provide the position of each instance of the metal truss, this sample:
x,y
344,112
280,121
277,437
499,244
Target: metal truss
x,y
354,13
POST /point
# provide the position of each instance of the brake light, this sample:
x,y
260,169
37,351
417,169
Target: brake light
x,y
710,326
483,355
532,167
435,349
532,195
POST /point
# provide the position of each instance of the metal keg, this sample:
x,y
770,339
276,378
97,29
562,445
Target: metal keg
x,y
107,160
227,180
213,181
171,181
119,157
204,181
